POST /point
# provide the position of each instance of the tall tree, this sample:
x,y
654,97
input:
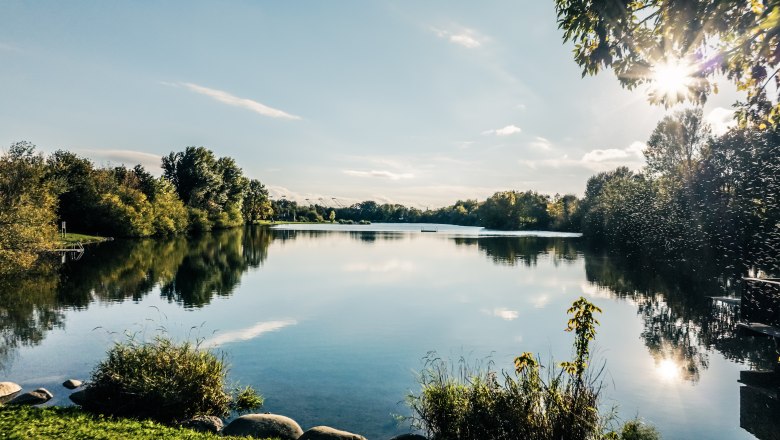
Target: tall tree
x,y
27,204
257,205
676,144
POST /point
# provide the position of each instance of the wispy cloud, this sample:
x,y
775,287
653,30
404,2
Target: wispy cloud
x,y
8,47
506,131
125,157
246,334
721,120
468,38
382,174
540,143
393,265
235,101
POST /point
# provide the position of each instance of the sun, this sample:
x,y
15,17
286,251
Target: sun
x,y
668,370
672,79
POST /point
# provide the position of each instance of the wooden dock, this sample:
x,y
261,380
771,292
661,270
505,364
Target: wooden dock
x,y
757,327
726,299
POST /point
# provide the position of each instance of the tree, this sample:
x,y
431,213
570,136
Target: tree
x,y
27,204
212,189
684,41
257,205
676,144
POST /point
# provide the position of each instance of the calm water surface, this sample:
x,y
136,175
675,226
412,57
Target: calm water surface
x,y
331,323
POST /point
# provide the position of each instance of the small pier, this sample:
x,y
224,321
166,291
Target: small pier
x,y
760,306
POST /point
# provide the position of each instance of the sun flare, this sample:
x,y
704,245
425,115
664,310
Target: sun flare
x,y
672,79
668,369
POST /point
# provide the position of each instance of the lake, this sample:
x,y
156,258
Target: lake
x,y
331,322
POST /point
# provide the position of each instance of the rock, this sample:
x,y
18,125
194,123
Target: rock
x,y
409,437
79,397
263,426
7,390
327,433
37,397
72,384
204,424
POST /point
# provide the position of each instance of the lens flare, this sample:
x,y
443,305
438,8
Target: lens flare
x,y
672,79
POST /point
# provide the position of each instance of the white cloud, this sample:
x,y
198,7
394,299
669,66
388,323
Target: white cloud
x,y
541,143
605,155
129,158
246,334
611,157
465,40
383,174
468,38
507,315
387,266
540,301
235,101
721,120
506,131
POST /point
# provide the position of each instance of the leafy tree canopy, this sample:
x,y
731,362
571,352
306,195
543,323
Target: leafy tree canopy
x,y
679,46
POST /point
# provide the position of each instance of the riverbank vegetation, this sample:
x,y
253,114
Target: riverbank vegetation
x,y
701,198
164,381
197,192
463,403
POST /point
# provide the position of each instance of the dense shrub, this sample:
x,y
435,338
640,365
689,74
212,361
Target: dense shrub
x,y
164,381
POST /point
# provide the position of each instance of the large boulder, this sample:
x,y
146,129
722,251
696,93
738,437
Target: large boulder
x,y
264,426
72,384
36,397
8,390
409,437
204,424
327,433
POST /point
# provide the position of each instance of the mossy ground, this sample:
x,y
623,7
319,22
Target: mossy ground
x,y
71,423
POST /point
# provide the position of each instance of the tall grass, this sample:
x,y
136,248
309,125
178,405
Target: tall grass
x,y
164,381
461,402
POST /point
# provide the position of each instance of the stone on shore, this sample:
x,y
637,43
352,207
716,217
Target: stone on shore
x,y
79,397
8,390
264,426
204,424
36,397
328,433
72,384
409,437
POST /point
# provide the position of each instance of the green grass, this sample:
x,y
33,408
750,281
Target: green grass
x,y
21,422
71,238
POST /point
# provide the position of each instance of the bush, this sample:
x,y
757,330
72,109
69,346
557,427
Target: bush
x,y
467,403
164,381
636,430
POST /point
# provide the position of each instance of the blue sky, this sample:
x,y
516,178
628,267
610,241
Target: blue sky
x,y
420,103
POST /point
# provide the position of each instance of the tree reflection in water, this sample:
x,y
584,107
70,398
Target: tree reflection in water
x,y
188,271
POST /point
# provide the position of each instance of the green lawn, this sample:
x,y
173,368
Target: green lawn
x,y
71,238
22,422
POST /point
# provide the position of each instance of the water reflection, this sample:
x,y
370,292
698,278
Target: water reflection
x,y
524,251
188,271
681,325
